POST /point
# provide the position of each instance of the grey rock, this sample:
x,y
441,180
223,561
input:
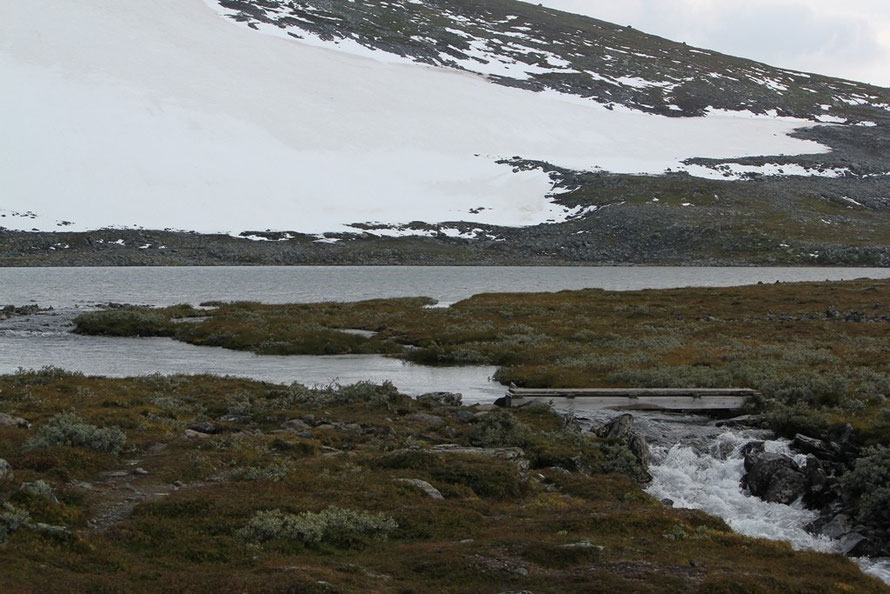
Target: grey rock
x,y
426,419
296,425
620,427
465,416
5,470
741,421
820,486
443,398
852,543
774,478
353,428
513,455
810,445
208,428
640,449
192,434
750,451
431,491
837,527
9,421
583,544
503,402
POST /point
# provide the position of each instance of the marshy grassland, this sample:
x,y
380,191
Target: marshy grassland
x,y
819,353
199,483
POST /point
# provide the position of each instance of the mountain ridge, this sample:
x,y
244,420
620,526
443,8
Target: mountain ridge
x,y
811,168
511,41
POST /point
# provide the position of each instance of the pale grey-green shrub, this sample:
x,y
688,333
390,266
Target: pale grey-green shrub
x,y
276,472
334,394
334,525
12,519
68,429
499,429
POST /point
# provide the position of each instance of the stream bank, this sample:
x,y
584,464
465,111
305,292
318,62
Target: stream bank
x,y
697,464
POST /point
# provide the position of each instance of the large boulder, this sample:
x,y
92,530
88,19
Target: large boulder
x,y
443,398
429,490
774,478
426,419
816,447
621,429
8,421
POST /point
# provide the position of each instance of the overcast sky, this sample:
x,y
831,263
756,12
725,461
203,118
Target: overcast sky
x,y
849,39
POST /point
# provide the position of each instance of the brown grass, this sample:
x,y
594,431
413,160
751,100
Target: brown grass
x,y
497,529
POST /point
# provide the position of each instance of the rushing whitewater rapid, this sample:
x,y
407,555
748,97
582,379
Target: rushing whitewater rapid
x,y
703,469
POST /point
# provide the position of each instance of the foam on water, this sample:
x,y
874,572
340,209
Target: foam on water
x,y
709,479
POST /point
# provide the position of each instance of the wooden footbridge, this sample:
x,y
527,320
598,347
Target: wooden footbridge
x,y
678,399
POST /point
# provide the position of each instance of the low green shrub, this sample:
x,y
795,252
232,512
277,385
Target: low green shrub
x,y
43,376
870,481
799,418
68,429
335,394
485,476
334,525
11,520
499,428
123,322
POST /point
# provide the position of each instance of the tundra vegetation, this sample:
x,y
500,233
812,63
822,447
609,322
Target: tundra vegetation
x,y
201,483
817,352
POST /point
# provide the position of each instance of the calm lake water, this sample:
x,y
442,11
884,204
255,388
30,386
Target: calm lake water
x,y
65,287
45,339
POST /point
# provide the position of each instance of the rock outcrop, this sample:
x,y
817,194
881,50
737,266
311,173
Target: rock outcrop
x,y
621,429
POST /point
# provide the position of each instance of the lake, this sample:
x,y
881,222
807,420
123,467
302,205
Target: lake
x,y
45,339
67,287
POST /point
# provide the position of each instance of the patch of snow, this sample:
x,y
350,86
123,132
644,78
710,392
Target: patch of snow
x,y
830,119
283,237
209,126
737,171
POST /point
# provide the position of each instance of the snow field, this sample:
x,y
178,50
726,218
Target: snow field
x,y
164,115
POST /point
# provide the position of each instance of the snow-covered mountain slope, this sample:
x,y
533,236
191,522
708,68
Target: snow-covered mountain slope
x,y
165,114
526,45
